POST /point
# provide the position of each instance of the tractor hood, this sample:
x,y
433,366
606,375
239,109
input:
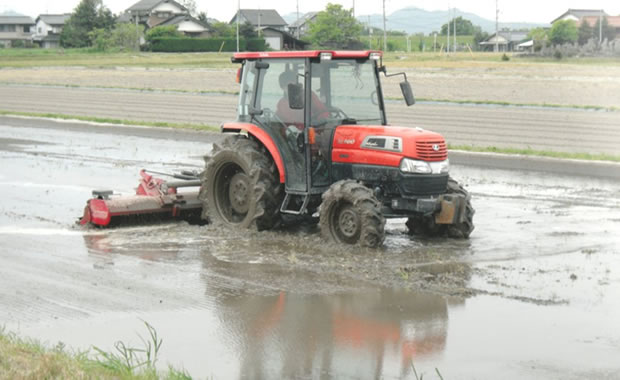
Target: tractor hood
x,y
386,145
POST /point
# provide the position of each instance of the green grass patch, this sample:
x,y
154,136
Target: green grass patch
x,y
142,89
204,127
538,153
90,58
200,127
501,103
30,359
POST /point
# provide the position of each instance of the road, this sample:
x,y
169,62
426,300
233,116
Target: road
x,y
547,129
532,294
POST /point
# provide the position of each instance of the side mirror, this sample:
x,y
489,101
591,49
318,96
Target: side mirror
x,y
405,87
295,96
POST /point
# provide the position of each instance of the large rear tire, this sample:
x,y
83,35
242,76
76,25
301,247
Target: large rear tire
x,y
240,185
350,213
425,225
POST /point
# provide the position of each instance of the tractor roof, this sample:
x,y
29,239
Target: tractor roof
x,y
336,54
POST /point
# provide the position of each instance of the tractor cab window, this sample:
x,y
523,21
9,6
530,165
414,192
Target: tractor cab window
x,y
349,89
246,93
284,124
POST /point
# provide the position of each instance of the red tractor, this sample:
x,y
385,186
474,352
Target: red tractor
x,y
312,137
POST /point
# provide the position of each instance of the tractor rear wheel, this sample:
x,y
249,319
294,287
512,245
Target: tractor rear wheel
x,y
351,214
240,185
426,226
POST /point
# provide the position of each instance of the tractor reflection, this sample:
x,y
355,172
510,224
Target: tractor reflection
x,y
372,333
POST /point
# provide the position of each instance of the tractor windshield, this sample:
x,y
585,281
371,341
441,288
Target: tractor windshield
x,y
349,88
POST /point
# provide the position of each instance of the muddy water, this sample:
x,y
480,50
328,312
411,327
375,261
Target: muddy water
x,y
533,293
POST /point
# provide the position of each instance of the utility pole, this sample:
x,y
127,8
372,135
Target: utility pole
x,y
496,26
384,30
448,33
454,47
434,41
238,15
600,27
369,34
297,31
353,9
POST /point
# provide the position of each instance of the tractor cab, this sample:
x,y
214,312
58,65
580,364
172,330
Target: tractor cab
x,y
312,133
299,99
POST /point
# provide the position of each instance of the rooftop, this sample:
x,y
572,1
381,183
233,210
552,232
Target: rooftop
x,y
147,5
54,19
16,20
269,17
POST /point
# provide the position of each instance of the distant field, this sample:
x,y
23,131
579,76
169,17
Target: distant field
x,y
87,58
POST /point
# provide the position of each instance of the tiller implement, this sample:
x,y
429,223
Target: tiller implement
x,y
155,200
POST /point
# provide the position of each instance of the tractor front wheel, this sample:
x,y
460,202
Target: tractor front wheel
x,y
351,214
240,185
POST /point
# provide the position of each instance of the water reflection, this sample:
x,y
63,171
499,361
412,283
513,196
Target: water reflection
x,y
370,333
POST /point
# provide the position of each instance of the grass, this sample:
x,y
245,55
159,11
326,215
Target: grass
x,y
204,127
200,127
29,359
538,153
501,103
90,58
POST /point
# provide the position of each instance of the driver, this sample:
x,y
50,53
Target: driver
x,y
296,117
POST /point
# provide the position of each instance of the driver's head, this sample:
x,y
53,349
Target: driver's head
x,y
287,77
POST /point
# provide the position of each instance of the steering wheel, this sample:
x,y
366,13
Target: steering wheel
x,y
336,113
270,116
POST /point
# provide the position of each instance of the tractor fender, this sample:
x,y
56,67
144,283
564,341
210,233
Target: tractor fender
x,y
261,136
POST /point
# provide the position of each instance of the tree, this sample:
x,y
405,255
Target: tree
x,y
479,36
335,27
607,31
190,5
247,31
585,32
222,30
162,32
463,27
126,36
87,16
539,36
202,16
563,31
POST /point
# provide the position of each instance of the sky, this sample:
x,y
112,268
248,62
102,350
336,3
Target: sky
x,y
536,11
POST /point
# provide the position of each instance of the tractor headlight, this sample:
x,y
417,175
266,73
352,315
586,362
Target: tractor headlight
x,y
414,166
408,165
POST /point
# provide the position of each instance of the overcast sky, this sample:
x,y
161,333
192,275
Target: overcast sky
x,y
539,11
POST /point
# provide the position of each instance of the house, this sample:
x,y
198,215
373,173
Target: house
x,y
48,28
278,39
506,40
260,18
577,14
302,25
15,30
188,25
152,13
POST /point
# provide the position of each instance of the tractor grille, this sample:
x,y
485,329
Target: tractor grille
x,y
421,184
427,153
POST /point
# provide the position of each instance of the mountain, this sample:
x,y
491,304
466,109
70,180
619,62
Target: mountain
x,y
416,20
10,13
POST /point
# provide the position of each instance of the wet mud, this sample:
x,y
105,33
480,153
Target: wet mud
x,y
532,294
